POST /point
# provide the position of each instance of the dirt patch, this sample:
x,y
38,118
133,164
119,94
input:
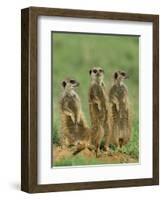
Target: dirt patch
x,y
105,157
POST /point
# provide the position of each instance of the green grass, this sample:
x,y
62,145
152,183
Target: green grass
x,y
132,148
73,56
77,160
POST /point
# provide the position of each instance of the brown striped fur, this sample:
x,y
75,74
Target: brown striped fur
x,y
74,128
98,108
119,111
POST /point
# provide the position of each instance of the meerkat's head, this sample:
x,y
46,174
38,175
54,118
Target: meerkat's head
x,y
119,76
69,84
97,74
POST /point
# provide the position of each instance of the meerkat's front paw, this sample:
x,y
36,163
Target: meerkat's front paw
x,y
117,107
98,104
78,120
99,107
73,118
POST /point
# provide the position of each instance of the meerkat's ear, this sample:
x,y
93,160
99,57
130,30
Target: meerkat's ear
x,y
90,71
115,75
64,83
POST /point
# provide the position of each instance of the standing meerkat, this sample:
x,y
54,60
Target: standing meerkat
x,y
120,110
73,125
98,108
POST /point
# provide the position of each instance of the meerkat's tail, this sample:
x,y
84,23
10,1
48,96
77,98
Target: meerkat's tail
x,y
79,148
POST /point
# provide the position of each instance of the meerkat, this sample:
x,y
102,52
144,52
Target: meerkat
x,y
120,110
73,125
98,108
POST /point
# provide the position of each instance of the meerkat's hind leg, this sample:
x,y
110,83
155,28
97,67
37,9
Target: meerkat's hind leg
x,y
106,143
99,136
107,136
117,147
120,144
97,151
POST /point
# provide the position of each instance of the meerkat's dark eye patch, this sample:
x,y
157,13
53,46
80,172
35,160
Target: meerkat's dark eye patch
x,y
72,81
90,71
63,83
101,70
115,75
95,71
123,73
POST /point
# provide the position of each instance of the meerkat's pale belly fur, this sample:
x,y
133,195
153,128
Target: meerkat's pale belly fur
x,y
73,132
98,113
98,110
120,115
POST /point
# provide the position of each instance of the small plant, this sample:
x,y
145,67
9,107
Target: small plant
x,y
132,148
56,136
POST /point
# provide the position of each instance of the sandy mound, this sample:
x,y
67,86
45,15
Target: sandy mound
x,y
105,157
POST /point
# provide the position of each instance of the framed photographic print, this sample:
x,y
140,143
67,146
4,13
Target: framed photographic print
x,y
90,99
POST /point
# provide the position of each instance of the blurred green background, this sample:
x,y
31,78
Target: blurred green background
x,y
73,54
